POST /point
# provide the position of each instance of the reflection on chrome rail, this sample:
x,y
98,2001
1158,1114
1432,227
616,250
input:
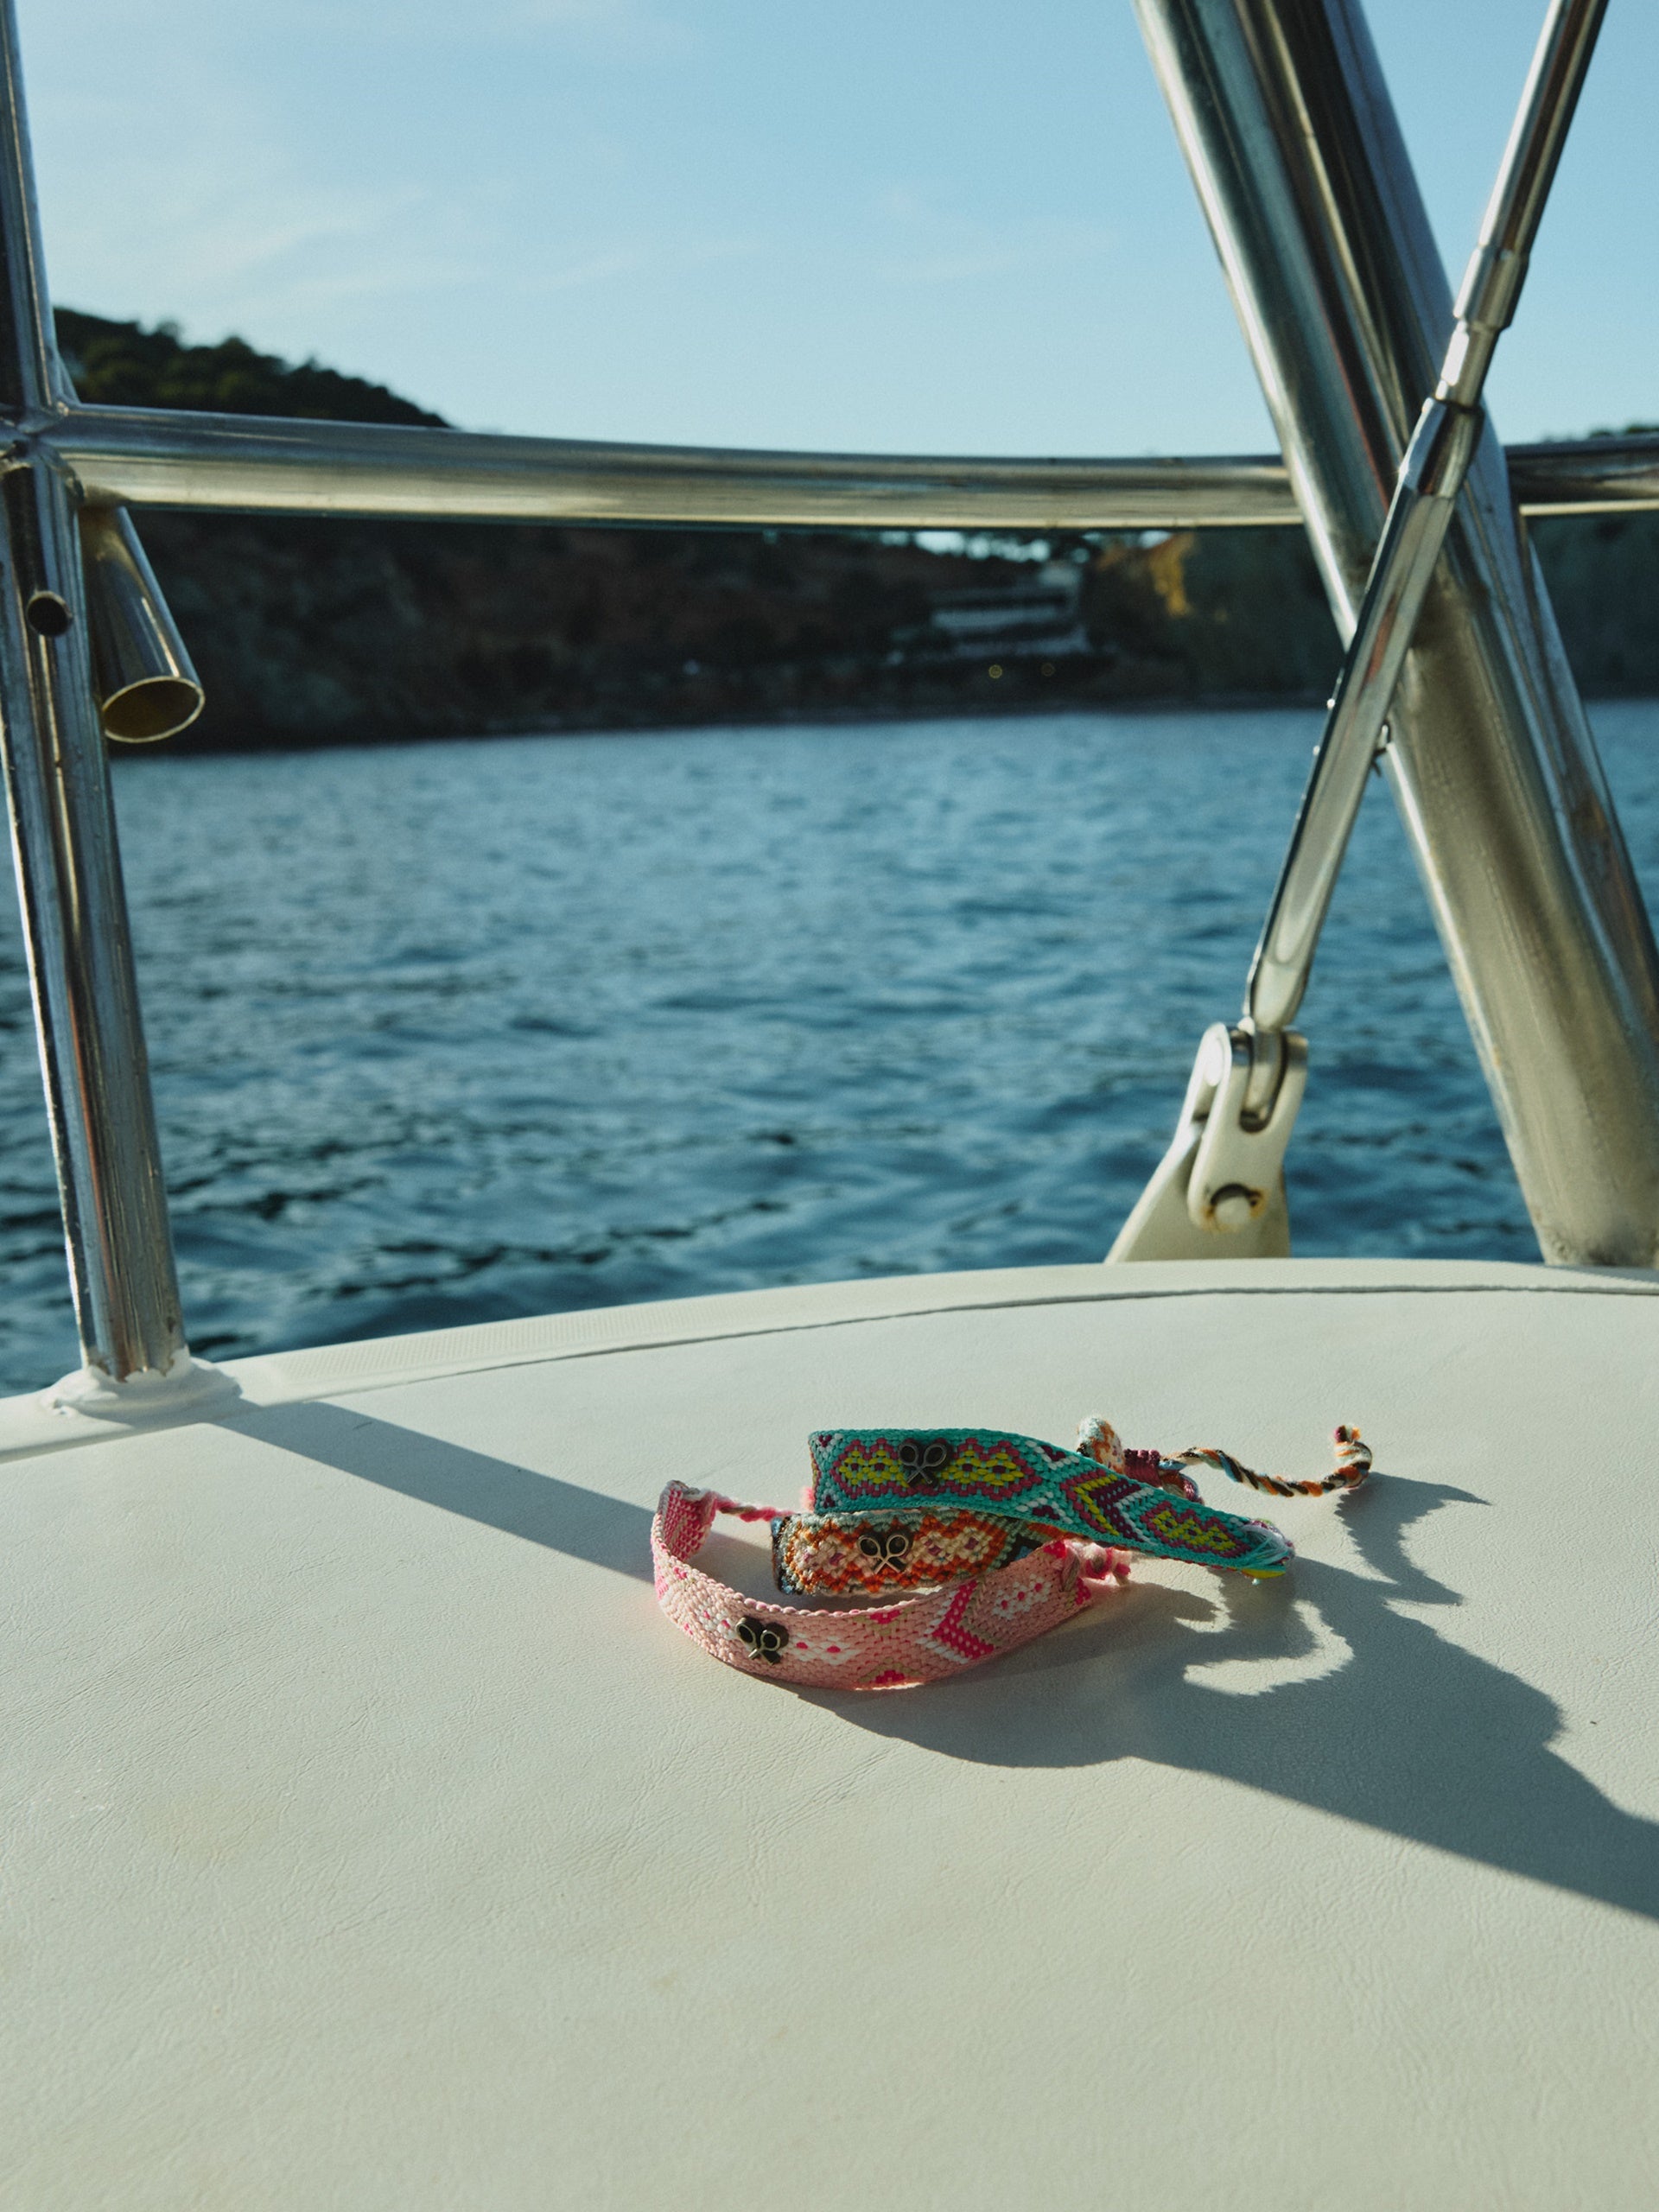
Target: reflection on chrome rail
x,y
149,457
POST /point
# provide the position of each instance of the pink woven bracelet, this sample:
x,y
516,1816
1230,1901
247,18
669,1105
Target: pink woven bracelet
x,y
925,1638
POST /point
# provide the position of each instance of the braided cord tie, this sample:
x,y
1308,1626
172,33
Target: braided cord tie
x,y
1353,1464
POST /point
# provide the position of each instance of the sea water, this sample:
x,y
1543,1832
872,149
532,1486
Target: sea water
x,y
450,1033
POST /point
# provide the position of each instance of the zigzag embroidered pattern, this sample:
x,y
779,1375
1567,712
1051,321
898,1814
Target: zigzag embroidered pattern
x,y
833,1555
923,1638
1023,1478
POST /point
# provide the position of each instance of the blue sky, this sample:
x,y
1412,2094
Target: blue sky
x,y
896,225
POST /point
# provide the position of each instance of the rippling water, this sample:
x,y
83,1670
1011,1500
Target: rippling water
x,y
454,1032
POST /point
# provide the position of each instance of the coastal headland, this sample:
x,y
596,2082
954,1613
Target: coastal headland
x,y
310,631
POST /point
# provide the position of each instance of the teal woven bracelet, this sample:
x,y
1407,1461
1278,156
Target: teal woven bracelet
x,y
863,1470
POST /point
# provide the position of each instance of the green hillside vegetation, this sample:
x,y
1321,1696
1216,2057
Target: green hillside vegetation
x,y
313,632
122,365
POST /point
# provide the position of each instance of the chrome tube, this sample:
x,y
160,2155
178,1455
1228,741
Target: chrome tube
x,y
1492,284
1587,476
63,832
1355,726
149,457
1287,125
145,683
255,464
1431,474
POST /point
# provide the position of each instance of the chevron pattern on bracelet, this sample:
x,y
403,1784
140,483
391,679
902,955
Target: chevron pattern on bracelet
x,y
861,1470
833,1555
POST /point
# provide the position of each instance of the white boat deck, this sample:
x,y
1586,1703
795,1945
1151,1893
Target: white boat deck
x,y
375,1843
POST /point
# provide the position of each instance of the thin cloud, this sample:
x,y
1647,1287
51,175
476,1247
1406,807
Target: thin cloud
x,y
617,30
592,268
941,248
614,26
659,258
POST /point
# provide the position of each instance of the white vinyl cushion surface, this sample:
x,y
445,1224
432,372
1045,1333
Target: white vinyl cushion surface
x,y
372,1841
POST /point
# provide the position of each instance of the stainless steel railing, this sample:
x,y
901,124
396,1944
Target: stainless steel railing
x,y
143,677
146,457
75,910
1286,123
1433,471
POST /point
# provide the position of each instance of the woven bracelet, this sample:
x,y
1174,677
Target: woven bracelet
x,y
925,1638
836,1554
874,1553
983,1525
1022,1478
